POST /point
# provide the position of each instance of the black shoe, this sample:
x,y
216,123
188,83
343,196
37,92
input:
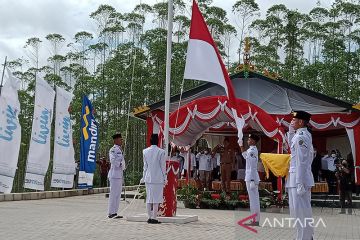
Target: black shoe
x,y
256,224
149,220
117,217
154,221
112,215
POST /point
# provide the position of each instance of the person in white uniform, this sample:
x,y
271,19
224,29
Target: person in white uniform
x,y
204,167
154,177
188,155
300,178
115,175
252,176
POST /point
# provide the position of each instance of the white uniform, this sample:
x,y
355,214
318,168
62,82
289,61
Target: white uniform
x,y
185,155
251,174
115,176
300,173
154,174
204,162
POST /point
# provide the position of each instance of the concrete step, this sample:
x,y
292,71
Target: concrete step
x,y
331,196
332,203
57,194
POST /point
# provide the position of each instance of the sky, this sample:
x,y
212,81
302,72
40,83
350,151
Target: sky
x,y
22,19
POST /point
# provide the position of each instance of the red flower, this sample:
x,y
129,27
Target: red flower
x,y
215,196
243,197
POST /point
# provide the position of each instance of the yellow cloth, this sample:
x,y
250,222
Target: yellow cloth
x,y
277,163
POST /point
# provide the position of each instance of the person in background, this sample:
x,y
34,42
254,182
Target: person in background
x,y
217,156
213,166
350,161
204,167
188,155
181,160
104,167
343,174
227,162
316,165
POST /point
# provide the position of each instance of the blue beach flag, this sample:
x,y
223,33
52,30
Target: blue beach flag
x,y
89,140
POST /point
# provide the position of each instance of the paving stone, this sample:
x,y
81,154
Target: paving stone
x,y
85,217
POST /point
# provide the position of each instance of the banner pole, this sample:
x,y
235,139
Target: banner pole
x,y
2,77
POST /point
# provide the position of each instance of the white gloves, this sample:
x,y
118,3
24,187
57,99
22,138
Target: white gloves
x,y
240,122
142,180
123,165
252,185
291,128
300,190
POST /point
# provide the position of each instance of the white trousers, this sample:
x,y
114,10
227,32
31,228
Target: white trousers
x,y
115,194
254,200
301,212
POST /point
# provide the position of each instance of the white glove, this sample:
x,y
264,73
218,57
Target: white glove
x,y
300,189
291,128
252,185
142,180
241,142
123,165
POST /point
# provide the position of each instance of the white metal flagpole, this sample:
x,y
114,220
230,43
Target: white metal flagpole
x,y
2,77
168,74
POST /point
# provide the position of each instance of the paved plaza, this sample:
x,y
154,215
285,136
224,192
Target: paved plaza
x,y
84,217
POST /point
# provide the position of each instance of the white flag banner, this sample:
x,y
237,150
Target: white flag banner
x,y
10,132
39,152
63,160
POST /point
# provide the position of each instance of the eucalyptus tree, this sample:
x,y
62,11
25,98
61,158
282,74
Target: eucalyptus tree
x,y
245,11
33,46
56,41
160,12
83,38
181,25
294,40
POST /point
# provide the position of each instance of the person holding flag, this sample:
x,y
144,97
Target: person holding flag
x,y
252,176
115,175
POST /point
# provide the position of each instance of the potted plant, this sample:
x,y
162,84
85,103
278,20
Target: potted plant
x,y
189,195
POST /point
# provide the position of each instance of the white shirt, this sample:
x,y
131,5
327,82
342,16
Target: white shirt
x,y
185,155
218,157
154,165
117,162
301,159
204,161
251,157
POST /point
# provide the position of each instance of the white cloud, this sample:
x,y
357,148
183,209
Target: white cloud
x,y
22,19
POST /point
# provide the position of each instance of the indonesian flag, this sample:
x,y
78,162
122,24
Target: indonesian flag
x,y
203,62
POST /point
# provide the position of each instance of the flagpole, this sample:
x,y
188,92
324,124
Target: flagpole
x,y
168,74
2,77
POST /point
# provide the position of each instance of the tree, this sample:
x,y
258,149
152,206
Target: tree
x,y
245,10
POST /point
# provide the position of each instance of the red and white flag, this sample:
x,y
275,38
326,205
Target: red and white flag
x,y
203,62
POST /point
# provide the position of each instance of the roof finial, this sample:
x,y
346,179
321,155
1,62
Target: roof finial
x,y
247,51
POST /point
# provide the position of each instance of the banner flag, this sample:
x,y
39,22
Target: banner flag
x,y
88,145
64,167
10,132
39,152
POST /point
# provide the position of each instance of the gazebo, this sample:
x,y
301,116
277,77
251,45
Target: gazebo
x,y
266,102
